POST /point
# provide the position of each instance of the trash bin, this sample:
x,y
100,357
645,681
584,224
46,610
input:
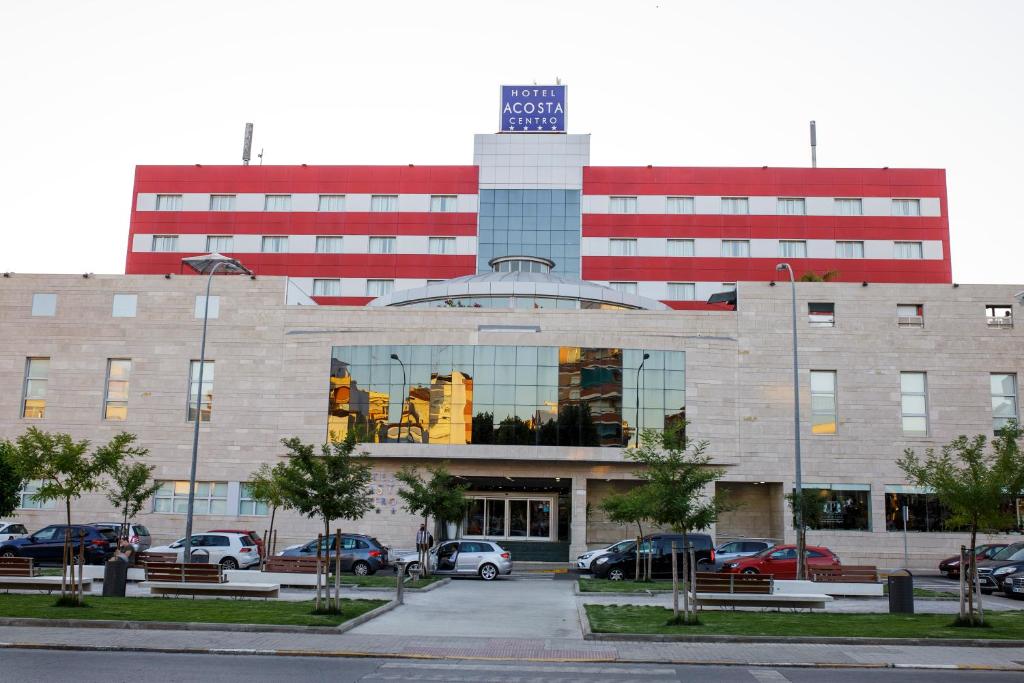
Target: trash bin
x,y
901,593
200,556
115,577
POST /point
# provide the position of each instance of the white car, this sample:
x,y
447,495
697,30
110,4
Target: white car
x,y
231,551
583,562
12,530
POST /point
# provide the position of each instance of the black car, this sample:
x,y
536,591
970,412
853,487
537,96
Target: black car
x,y
619,566
992,573
951,565
46,546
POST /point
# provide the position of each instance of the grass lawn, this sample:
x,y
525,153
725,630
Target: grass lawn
x,y
384,581
646,619
184,609
605,586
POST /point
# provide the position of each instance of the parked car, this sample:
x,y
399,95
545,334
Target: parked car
x,y
252,534
360,554
229,550
137,535
621,565
485,559
993,572
1013,585
12,530
780,561
47,544
741,547
583,562
951,565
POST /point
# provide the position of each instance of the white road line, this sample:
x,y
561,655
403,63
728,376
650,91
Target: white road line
x,y
525,670
767,675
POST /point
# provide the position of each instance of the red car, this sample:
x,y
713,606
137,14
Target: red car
x,y
252,534
780,561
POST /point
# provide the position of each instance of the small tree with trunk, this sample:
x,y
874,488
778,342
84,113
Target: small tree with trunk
x,y
266,485
631,507
972,482
11,480
440,497
129,489
809,505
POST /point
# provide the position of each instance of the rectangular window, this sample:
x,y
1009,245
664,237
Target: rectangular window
x,y
906,207
384,202
329,244
443,203
249,507
277,202
510,518
790,207
44,305
621,247
908,250
824,418
274,245
821,314
849,207
379,287
210,498
222,202
736,248
728,286
1004,399
682,291
914,403
125,305
910,315
220,244
200,310
37,374
622,205
441,245
165,243
331,202
27,500
849,250
792,249
679,205
115,402
205,391
168,202
680,247
924,512
999,316
327,287
844,507
624,287
382,245
735,205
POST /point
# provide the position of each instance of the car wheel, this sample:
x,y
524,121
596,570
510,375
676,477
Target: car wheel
x,y
361,569
7,552
616,574
488,572
749,570
229,563
412,567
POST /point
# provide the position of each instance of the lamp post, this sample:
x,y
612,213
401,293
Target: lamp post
x,y
799,500
401,413
638,370
208,263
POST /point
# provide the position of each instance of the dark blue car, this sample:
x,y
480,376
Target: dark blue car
x,y
46,546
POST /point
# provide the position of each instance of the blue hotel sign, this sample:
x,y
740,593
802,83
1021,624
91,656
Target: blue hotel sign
x,y
532,109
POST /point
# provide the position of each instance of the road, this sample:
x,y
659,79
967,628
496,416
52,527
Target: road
x,y
29,666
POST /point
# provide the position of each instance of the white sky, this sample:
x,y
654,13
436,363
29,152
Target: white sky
x,y
89,89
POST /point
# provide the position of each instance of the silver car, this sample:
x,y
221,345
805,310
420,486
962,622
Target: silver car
x,y
741,547
136,534
485,559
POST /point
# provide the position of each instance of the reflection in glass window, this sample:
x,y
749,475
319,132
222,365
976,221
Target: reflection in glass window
x,y
841,506
1004,399
115,403
527,518
535,222
37,377
823,402
211,497
924,512
205,388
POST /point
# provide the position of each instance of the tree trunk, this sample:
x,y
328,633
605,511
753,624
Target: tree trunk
x,y
972,580
963,584
639,541
675,585
686,579
266,541
69,557
425,563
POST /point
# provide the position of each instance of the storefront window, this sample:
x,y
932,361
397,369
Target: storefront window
x,y
528,518
841,506
924,512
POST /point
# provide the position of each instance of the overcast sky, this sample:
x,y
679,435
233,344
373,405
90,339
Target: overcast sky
x,y
90,89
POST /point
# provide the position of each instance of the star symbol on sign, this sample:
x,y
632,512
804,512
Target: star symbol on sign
x,y
511,127
553,127
538,128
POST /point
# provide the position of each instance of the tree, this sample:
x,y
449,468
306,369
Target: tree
x,y
809,504
827,276
972,483
441,497
130,488
630,507
11,480
266,485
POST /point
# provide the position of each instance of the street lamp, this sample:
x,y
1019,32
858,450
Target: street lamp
x,y
208,263
637,426
798,507
401,414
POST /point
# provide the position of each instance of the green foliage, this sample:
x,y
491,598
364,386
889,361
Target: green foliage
x,y
267,484
810,505
827,276
11,480
440,497
131,486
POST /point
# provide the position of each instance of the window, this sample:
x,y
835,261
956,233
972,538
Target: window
x,y
906,207
849,207
384,202
792,249
736,248
222,202
790,207
115,399
168,202
27,500
382,245
624,287
277,202
621,247
910,315
679,205
728,286
842,506
908,250
821,314
211,497
510,518
1004,399
735,205
331,202
249,507
680,247
823,402
622,205
914,403
329,244
275,245
165,243
37,374
125,305
379,287
200,310
924,512
682,291
219,243
999,316
443,203
44,305
327,287
441,245
206,391
849,250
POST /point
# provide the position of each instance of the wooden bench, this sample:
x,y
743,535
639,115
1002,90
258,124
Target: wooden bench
x,y
17,566
144,557
713,582
292,565
750,590
196,578
21,573
845,574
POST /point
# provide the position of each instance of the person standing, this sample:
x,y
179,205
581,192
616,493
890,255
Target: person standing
x,y
424,542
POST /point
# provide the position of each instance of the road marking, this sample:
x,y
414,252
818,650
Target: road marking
x,y
541,668
767,675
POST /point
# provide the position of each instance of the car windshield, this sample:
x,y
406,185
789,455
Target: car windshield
x,y
1008,552
141,530
1019,555
622,547
767,551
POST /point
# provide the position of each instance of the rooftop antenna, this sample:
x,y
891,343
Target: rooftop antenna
x,y
814,146
260,155
247,145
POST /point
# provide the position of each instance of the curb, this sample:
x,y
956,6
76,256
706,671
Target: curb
x,y
426,589
586,594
